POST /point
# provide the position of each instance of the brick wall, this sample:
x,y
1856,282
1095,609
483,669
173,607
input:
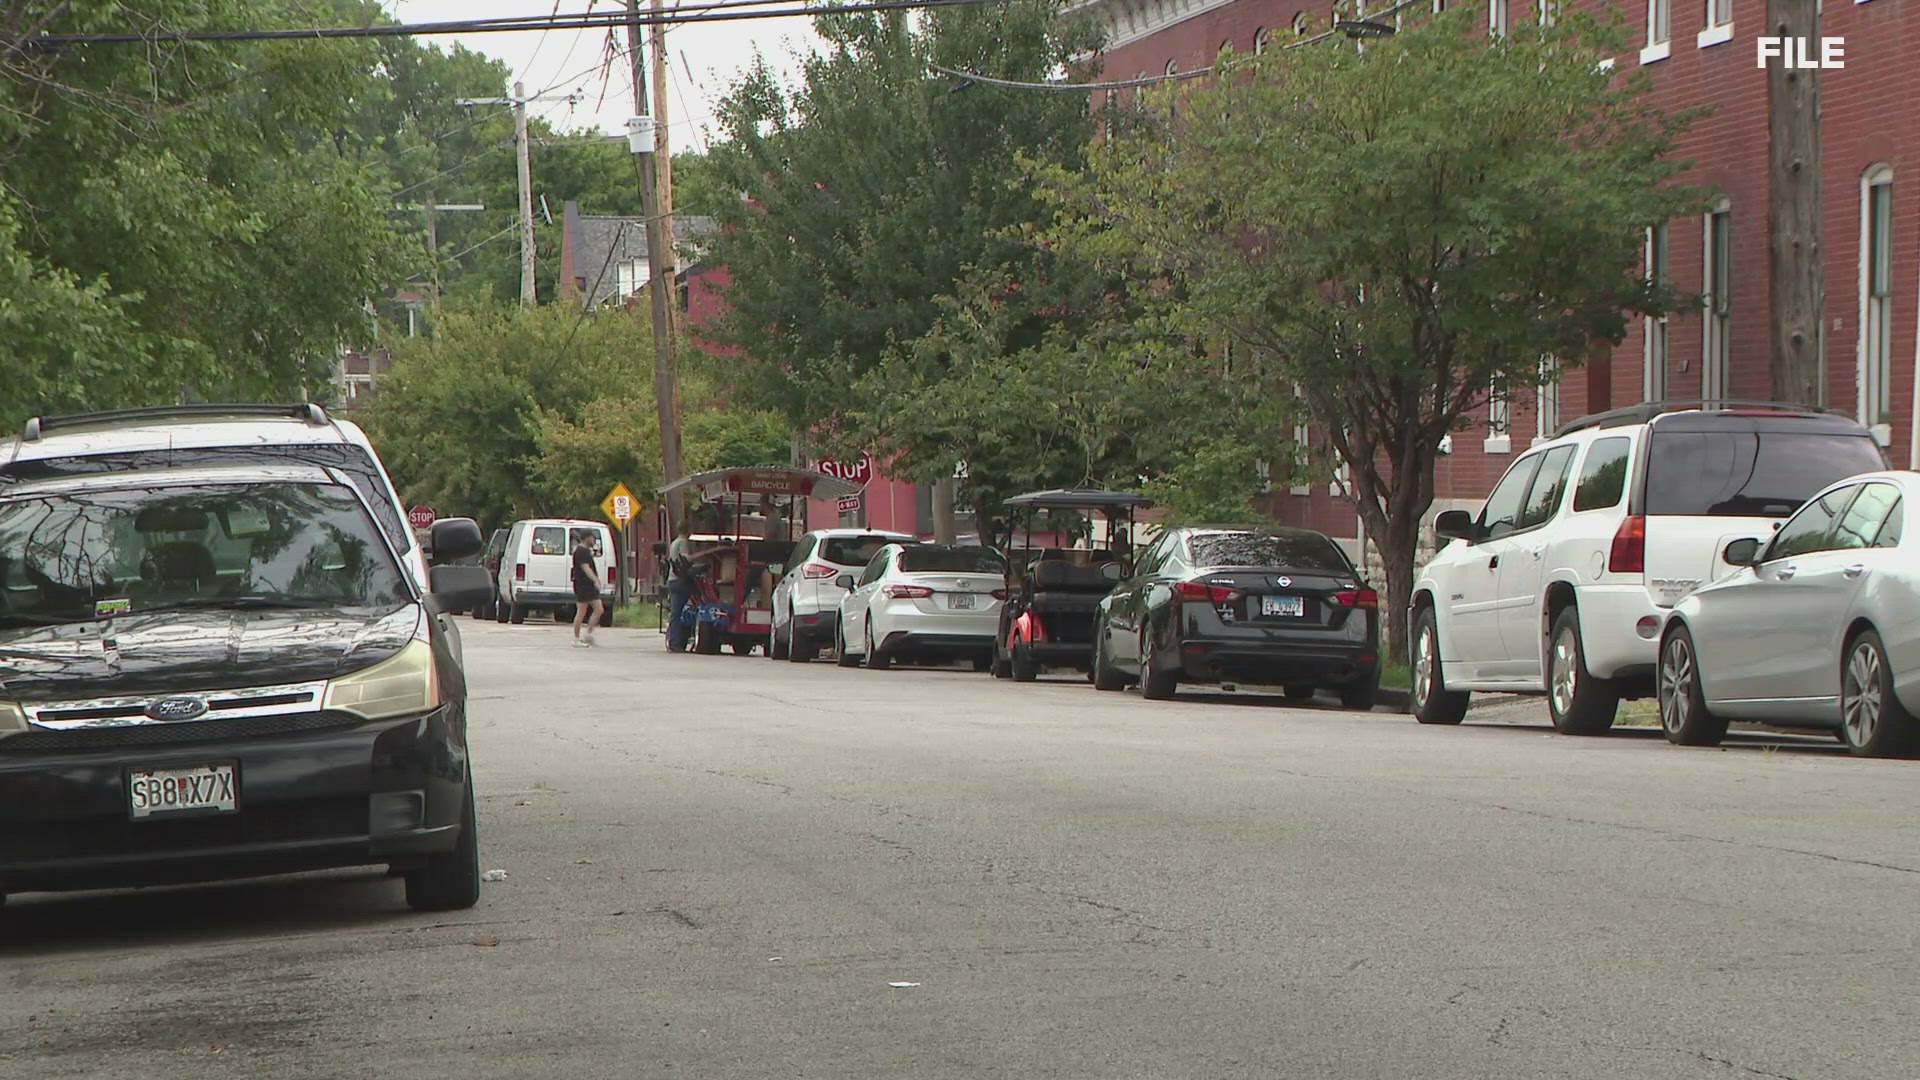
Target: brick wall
x,y
1870,115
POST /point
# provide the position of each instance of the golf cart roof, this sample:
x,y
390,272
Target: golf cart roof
x,y
764,480
1079,499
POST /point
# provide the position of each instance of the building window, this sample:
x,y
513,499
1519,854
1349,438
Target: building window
x,y
1719,12
1263,473
1719,29
1654,383
1546,399
1549,12
1259,40
1718,295
1499,421
1439,6
1659,30
1173,68
1497,16
1876,299
1299,24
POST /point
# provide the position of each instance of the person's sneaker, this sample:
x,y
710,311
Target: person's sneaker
x,y
578,644
589,640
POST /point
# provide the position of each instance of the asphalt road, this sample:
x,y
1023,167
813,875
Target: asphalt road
x,y
718,865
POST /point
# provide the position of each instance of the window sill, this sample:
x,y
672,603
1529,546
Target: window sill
x,y
1714,35
1498,444
1607,64
1656,52
1300,489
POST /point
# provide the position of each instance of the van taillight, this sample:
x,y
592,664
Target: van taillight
x,y
519,571
1629,554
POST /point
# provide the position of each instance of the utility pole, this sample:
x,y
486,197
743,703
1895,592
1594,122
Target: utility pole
x,y
526,195
663,172
433,236
642,141
1796,260
519,102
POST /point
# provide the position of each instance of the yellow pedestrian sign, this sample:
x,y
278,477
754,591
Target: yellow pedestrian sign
x,y
620,506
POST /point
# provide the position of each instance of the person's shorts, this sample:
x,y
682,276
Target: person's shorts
x,y
586,594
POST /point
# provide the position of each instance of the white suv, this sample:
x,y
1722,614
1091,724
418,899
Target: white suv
x,y
806,603
1560,584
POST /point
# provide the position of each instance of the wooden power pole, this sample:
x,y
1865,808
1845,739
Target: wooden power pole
x,y
663,174
642,142
526,195
1795,256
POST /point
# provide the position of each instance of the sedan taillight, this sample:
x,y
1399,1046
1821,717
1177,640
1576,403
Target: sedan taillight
x,y
1195,592
1357,598
815,571
906,592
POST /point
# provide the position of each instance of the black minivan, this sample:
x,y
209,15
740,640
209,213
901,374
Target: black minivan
x,y
222,672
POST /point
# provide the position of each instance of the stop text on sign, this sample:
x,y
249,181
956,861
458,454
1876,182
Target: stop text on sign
x,y
1794,52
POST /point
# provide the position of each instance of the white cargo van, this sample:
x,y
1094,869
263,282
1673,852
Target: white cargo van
x,y
536,570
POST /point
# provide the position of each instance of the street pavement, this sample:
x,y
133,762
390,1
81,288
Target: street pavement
x,y
723,866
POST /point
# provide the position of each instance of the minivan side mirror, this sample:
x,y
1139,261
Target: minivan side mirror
x,y
1742,552
1454,525
845,581
454,538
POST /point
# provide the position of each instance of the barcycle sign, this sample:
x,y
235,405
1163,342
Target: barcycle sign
x,y
856,473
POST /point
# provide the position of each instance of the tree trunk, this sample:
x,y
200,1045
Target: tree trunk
x,y
944,530
1793,210
1399,556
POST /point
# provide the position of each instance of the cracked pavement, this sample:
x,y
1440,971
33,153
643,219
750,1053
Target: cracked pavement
x,y
717,865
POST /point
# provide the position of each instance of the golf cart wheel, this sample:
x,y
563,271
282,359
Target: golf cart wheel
x,y
1024,667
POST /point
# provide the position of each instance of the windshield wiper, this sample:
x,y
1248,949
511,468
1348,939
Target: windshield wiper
x,y
228,602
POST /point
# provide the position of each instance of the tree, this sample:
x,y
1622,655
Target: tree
x,y
874,188
1399,231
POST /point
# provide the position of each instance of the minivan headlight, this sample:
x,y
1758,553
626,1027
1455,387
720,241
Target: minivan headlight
x,y
13,719
400,685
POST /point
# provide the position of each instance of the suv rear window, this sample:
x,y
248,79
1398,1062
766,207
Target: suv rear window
x,y
1749,474
855,550
952,561
1296,551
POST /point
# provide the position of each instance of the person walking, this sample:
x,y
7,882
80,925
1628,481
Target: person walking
x,y
586,592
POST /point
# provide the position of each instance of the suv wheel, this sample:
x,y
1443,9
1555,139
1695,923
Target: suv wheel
x,y
1579,703
517,613
1873,723
1433,703
778,649
1683,705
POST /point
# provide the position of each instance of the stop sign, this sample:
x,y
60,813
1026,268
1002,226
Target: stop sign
x,y
421,517
857,473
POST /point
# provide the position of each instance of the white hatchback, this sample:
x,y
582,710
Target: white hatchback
x,y
923,602
806,602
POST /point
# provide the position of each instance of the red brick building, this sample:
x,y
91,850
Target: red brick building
x,y
1696,52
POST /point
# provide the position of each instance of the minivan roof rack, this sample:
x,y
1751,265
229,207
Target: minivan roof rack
x,y
306,411
1646,411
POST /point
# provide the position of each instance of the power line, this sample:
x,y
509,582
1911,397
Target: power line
x,y
491,26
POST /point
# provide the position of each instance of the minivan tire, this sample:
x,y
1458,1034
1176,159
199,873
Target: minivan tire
x,y
1579,703
1433,703
450,881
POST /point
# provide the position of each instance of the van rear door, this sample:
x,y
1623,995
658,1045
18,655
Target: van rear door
x,y
1712,478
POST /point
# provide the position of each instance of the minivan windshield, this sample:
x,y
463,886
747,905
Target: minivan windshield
x,y
1748,473
80,556
1294,551
936,560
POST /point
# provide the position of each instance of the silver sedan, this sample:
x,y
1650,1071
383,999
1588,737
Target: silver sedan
x,y
1819,627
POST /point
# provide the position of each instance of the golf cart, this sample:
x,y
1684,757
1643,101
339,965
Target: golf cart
x,y
1054,592
733,601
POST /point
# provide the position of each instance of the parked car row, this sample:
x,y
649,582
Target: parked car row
x,y
223,653
1736,561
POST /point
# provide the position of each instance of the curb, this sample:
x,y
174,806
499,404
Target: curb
x,y
1399,701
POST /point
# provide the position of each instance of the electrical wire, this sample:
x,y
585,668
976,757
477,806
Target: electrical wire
x,y
490,26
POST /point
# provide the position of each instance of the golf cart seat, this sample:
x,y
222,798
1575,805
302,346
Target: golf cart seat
x,y
1064,577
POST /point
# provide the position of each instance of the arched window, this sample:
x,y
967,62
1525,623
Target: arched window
x,y
1299,24
1260,40
1173,68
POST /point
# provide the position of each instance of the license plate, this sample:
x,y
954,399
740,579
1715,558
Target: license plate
x,y
960,600
209,789
1283,605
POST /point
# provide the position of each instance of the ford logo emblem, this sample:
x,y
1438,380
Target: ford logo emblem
x,y
177,708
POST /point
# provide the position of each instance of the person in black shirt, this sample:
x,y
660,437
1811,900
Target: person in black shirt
x,y
586,592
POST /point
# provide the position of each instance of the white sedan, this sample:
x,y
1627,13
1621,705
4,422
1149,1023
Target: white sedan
x,y
922,602
1819,627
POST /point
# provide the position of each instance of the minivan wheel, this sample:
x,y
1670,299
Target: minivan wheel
x,y
451,880
1683,704
1579,703
1433,703
1873,723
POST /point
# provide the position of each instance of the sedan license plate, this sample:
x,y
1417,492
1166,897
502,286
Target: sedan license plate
x,y
960,600
1283,605
207,789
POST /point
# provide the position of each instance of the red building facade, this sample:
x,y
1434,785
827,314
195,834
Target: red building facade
x,y
1696,52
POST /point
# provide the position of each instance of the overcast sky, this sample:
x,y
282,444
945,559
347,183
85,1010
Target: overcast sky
x,y
704,58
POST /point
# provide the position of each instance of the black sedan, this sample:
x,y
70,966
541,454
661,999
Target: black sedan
x,y
1261,607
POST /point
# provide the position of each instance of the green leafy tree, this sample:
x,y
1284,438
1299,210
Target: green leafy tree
x,y
1397,230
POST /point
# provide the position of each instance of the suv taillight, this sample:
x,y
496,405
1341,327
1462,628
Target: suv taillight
x,y
1629,554
814,571
1194,592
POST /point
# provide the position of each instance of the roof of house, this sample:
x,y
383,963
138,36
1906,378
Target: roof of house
x,y
603,242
